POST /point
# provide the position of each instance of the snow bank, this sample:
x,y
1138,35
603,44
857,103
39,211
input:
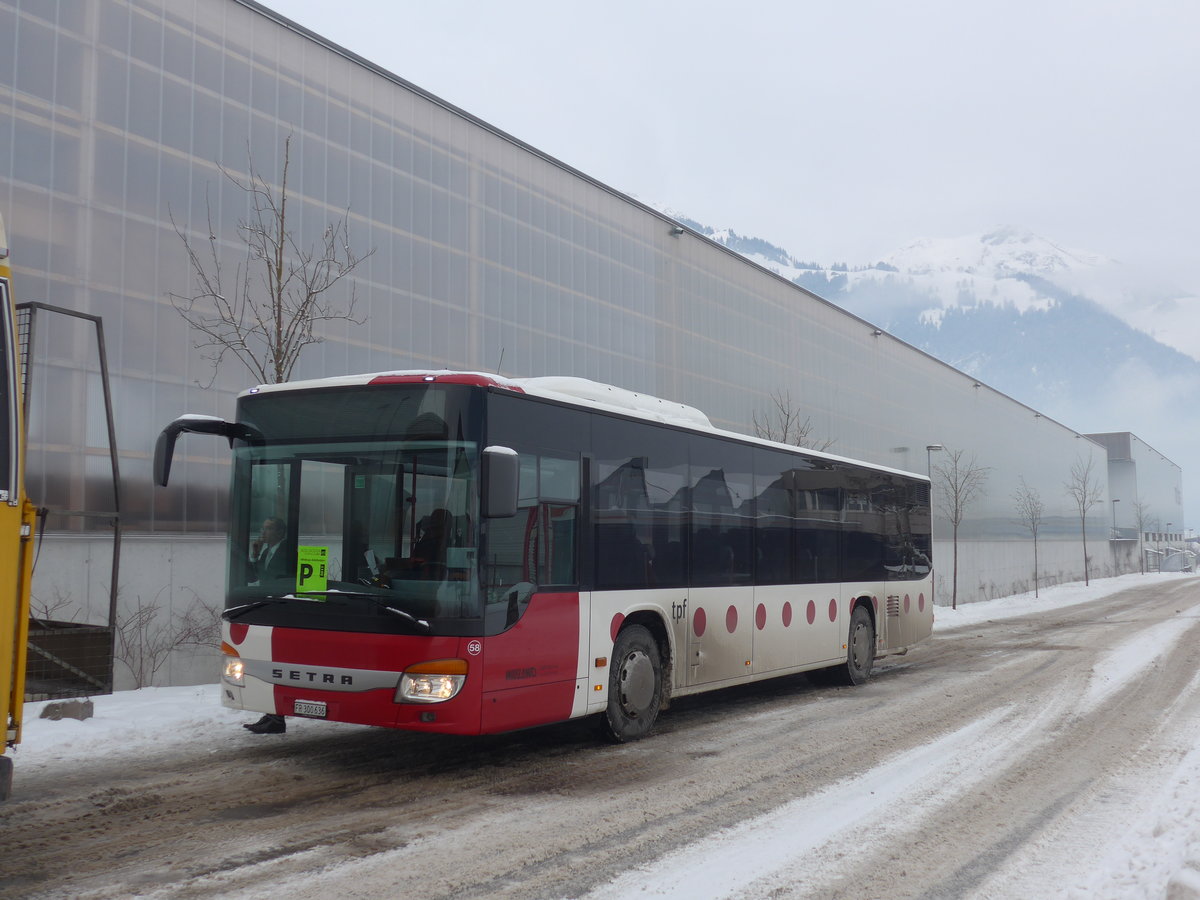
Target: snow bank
x,y
1057,597
142,723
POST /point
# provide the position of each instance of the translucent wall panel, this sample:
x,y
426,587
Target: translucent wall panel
x,y
120,115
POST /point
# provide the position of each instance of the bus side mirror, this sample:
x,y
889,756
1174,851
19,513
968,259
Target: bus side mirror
x,y
164,447
501,476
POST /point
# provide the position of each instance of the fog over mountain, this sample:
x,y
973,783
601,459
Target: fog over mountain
x,y
1087,340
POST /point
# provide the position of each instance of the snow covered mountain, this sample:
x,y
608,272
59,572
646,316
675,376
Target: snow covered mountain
x,y
1061,329
1010,265
1088,340
1005,267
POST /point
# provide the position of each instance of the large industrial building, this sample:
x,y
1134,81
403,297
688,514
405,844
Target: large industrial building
x,y
118,120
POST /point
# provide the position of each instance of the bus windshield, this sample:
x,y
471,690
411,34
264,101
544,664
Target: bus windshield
x,y
357,510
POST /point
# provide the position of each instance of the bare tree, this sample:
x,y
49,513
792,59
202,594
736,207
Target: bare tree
x,y
1141,521
1086,490
145,639
52,610
266,313
1030,511
960,482
782,424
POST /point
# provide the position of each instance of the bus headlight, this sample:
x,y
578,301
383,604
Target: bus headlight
x,y
432,682
235,671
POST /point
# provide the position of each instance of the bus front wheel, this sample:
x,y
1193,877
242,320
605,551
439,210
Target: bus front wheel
x,y
634,686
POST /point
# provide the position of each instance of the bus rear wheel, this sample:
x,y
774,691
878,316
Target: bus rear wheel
x,y
860,648
634,686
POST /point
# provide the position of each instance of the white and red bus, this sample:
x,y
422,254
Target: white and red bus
x,y
461,553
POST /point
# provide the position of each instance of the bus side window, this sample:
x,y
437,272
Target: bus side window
x,y
538,544
722,504
776,503
817,533
558,500
640,508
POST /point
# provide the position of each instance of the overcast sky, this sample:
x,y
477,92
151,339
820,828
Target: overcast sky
x,y
840,131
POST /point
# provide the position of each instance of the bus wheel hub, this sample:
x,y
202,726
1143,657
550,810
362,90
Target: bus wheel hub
x,y
637,683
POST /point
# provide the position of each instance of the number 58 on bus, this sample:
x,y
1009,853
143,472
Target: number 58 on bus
x,y
463,553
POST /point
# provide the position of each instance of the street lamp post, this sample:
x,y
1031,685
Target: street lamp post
x,y
1114,508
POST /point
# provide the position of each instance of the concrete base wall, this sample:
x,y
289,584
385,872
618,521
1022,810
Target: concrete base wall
x,y
173,580
990,569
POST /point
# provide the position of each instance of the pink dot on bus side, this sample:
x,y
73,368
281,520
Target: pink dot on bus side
x,y
238,632
833,610
921,602
699,622
907,602
731,619
787,615
760,617
615,627
811,612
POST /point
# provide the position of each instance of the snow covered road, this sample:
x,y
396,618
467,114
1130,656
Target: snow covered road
x,y
1030,749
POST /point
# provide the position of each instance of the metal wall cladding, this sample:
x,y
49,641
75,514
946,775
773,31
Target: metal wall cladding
x,y
488,255
1159,484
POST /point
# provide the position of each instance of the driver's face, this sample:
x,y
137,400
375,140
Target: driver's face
x,y
270,532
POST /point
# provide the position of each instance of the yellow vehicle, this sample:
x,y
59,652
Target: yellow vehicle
x,y
16,528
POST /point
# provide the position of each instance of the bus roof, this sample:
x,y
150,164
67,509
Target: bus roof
x,y
577,391
571,390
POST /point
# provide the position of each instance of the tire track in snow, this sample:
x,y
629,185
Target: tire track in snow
x,y
1131,658
1151,801
807,829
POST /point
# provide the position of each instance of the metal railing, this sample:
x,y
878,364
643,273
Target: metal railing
x,y
66,659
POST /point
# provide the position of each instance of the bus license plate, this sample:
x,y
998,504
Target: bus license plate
x,y
313,708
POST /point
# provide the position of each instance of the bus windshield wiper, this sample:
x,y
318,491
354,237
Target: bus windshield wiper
x,y
381,602
234,611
